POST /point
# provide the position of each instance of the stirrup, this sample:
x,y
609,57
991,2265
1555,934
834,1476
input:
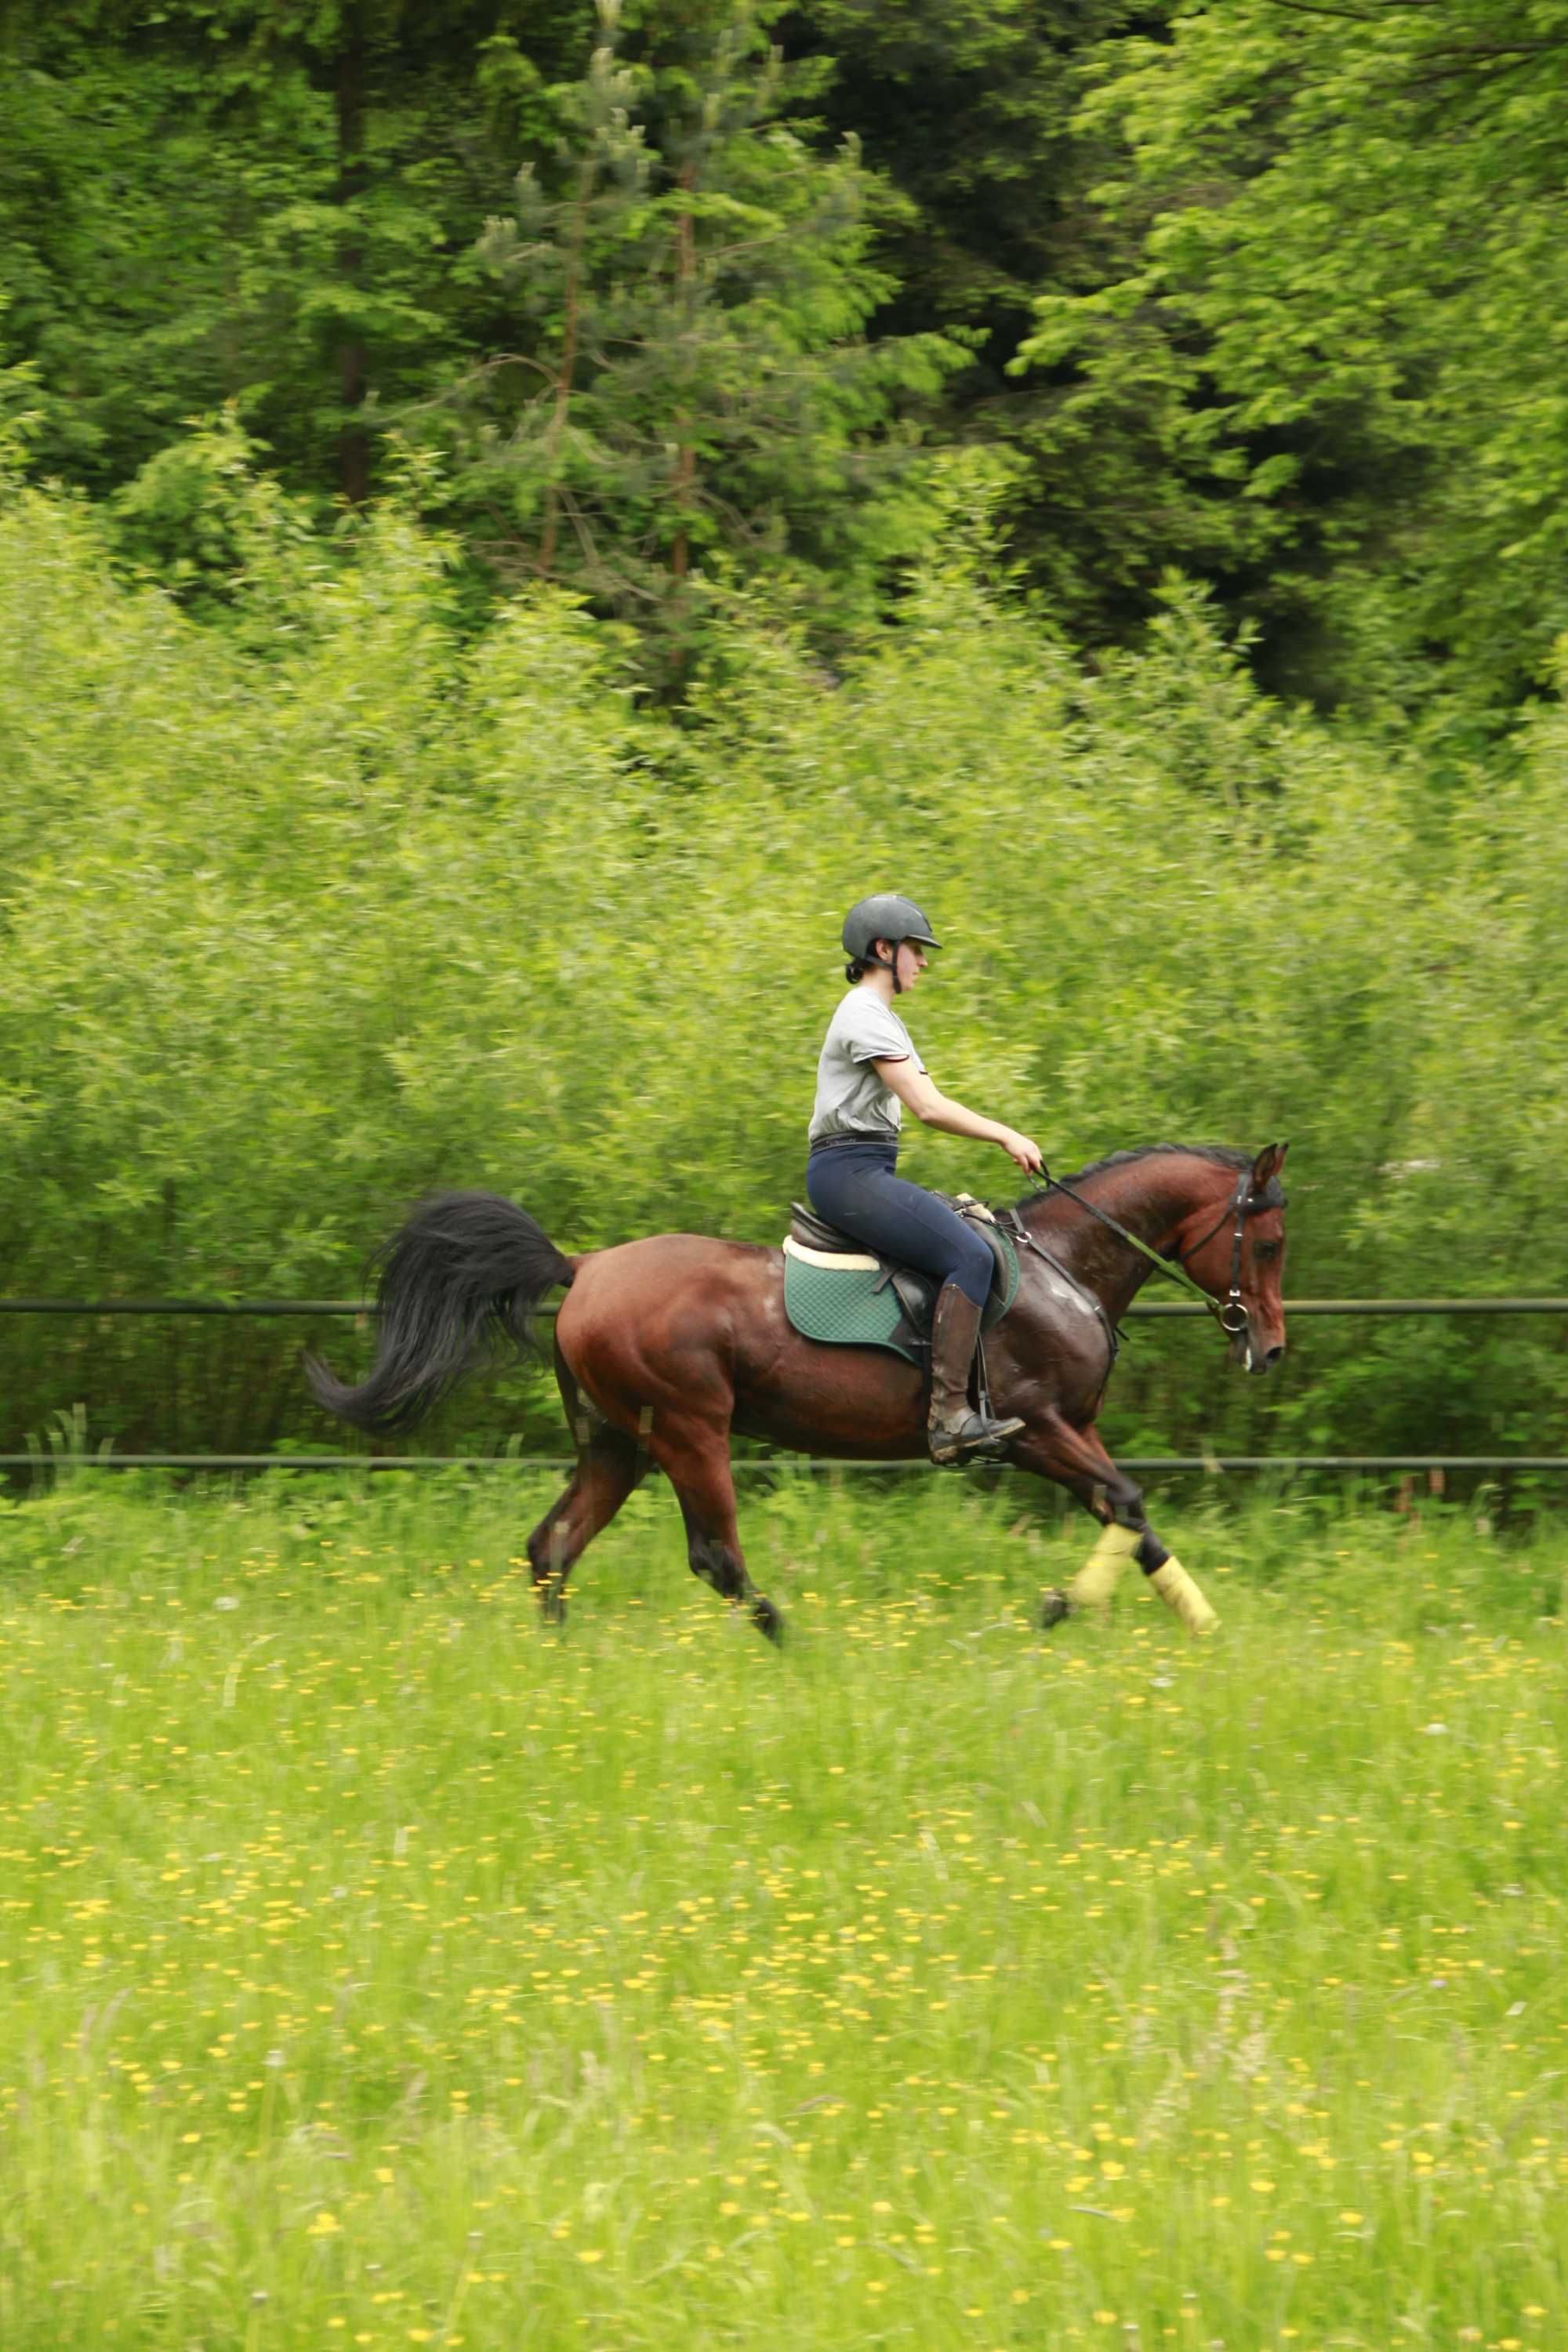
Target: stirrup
x,y
950,1441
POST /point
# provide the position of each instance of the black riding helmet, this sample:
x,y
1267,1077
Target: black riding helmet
x,y
885,917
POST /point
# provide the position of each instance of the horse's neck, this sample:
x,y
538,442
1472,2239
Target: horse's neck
x,y
1150,1197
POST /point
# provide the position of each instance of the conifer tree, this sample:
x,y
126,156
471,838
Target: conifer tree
x,y
689,389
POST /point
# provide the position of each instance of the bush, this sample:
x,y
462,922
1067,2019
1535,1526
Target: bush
x,y
309,912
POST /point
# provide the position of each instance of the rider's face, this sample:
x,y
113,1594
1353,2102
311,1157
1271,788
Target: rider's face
x,y
911,961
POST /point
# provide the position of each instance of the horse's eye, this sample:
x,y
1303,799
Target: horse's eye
x,y
1264,1251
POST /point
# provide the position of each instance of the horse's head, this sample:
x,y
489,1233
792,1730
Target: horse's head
x,y
1243,1254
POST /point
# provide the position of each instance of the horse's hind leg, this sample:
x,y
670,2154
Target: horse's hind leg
x,y
608,1466
695,1457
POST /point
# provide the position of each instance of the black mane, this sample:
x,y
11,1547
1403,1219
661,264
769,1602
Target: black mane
x,y
1222,1155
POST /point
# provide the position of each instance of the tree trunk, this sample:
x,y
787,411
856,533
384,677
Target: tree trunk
x,y
568,368
353,442
685,452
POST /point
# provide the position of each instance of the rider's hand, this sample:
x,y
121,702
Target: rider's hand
x,y
1029,1155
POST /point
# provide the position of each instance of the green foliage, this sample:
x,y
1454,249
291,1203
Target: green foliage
x,y
974,112
968,105
215,200
203,520
656,369
1324,365
689,386
305,915
687,294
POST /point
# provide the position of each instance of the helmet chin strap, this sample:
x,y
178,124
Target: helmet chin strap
x,y
883,966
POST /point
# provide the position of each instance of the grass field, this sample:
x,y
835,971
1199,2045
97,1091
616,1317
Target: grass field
x,y
380,1969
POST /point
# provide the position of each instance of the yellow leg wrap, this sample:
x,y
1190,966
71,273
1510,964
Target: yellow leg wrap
x,y
1177,1590
1094,1582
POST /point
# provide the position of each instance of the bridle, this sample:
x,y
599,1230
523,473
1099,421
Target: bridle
x,y
1232,1318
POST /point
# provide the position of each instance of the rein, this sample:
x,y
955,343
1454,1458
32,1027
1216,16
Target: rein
x,y
1231,1316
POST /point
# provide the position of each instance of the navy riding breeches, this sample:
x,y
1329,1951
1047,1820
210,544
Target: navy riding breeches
x,y
855,1187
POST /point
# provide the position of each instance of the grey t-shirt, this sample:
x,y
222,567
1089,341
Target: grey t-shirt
x,y
850,1097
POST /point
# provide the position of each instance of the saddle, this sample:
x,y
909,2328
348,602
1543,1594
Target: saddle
x,y
885,1305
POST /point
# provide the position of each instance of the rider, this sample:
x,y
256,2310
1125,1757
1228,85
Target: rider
x,y
868,1071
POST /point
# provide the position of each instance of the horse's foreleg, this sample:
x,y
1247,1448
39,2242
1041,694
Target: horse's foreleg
x,y
1074,1458
1174,1586
1096,1579
695,1457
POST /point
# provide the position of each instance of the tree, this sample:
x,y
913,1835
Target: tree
x,y
968,107
218,201
971,107
1331,337
689,386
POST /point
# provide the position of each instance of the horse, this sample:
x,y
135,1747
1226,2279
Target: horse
x,y
667,1345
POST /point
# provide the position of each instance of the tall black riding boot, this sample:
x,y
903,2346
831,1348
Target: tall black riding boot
x,y
954,1427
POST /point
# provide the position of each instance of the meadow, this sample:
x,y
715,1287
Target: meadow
x,y
383,1969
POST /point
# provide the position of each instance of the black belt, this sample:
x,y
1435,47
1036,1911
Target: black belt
x,y
832,1142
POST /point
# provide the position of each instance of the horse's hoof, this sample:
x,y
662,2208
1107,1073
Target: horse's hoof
x,y
768,1620
1055,1608
551,1605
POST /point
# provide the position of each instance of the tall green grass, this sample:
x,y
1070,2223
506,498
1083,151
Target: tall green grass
x,y
382,1969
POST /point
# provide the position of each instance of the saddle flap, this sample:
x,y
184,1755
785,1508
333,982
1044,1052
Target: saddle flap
x,y
1005,1258
1003,1276
916,1294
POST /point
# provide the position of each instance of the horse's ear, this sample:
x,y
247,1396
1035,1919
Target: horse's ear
x,y
1268,1164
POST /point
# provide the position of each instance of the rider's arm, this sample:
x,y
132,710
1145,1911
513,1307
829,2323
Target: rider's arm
x,y
916,1091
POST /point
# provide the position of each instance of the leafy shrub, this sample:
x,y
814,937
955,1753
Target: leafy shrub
x,y
307,913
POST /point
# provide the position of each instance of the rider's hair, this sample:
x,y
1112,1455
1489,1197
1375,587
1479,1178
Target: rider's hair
x,y
856,971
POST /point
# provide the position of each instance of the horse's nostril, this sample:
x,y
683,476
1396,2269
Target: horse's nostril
x,y
1274,1354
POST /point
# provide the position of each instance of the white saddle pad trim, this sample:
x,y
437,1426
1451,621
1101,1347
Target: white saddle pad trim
x,y
840,1261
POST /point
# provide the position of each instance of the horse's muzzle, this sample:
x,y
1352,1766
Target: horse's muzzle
x,y
1253,1354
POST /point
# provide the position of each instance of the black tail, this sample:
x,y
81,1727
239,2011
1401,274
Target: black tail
x,y
455,1293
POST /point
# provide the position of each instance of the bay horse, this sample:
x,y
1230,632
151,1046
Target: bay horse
x,y
666,1345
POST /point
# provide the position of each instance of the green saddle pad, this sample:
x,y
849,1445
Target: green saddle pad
x,y
846,1307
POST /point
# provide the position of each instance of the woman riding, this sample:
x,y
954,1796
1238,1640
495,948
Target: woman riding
x,y
868,1072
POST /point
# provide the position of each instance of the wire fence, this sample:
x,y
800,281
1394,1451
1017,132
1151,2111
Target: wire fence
x,y
1146,1465
1141,1307
1212,1464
